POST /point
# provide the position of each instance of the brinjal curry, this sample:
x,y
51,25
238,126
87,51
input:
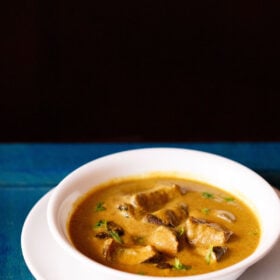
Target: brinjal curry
x,y
163,226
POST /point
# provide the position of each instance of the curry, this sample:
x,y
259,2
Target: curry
x,y
163,226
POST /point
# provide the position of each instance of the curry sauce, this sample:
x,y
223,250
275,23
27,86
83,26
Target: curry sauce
x,y
163,226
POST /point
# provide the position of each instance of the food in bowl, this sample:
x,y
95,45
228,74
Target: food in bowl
x,y
163,226
239,183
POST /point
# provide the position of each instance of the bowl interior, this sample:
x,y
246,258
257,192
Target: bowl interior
x,y
215,170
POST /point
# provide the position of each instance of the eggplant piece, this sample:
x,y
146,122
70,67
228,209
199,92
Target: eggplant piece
x,y
124,254
164,265
127,210
113,227
102,235
164,240
171,216
152,219
156,198
219,251
200,232
212,254
109,249
160,260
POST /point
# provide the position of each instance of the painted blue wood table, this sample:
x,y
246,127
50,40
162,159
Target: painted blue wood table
x,y
29,171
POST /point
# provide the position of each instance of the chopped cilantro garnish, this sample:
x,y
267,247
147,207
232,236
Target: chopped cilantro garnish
x,y
205,211
228,199
99,207
115,236
112,233
207,195
179,266
101,223
181,231
209,255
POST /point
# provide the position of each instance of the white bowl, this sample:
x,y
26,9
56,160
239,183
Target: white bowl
x,y
215,170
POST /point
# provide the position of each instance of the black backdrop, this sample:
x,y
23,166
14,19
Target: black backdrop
x,y
140,71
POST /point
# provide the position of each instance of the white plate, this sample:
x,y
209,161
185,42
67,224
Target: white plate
x,y
47,260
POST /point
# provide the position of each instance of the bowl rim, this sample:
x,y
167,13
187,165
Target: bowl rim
x,y
53,204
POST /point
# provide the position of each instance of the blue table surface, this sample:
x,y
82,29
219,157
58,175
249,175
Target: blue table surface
x,y
29,170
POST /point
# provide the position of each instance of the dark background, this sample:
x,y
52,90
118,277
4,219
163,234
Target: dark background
x,y
140,71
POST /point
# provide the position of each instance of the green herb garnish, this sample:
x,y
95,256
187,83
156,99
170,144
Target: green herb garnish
x,y
207,195
99,207
181,231
209,255
100,224
205,211
228,199
115,236
179,266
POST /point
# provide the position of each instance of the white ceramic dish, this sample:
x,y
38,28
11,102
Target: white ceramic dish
x,y
215,170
